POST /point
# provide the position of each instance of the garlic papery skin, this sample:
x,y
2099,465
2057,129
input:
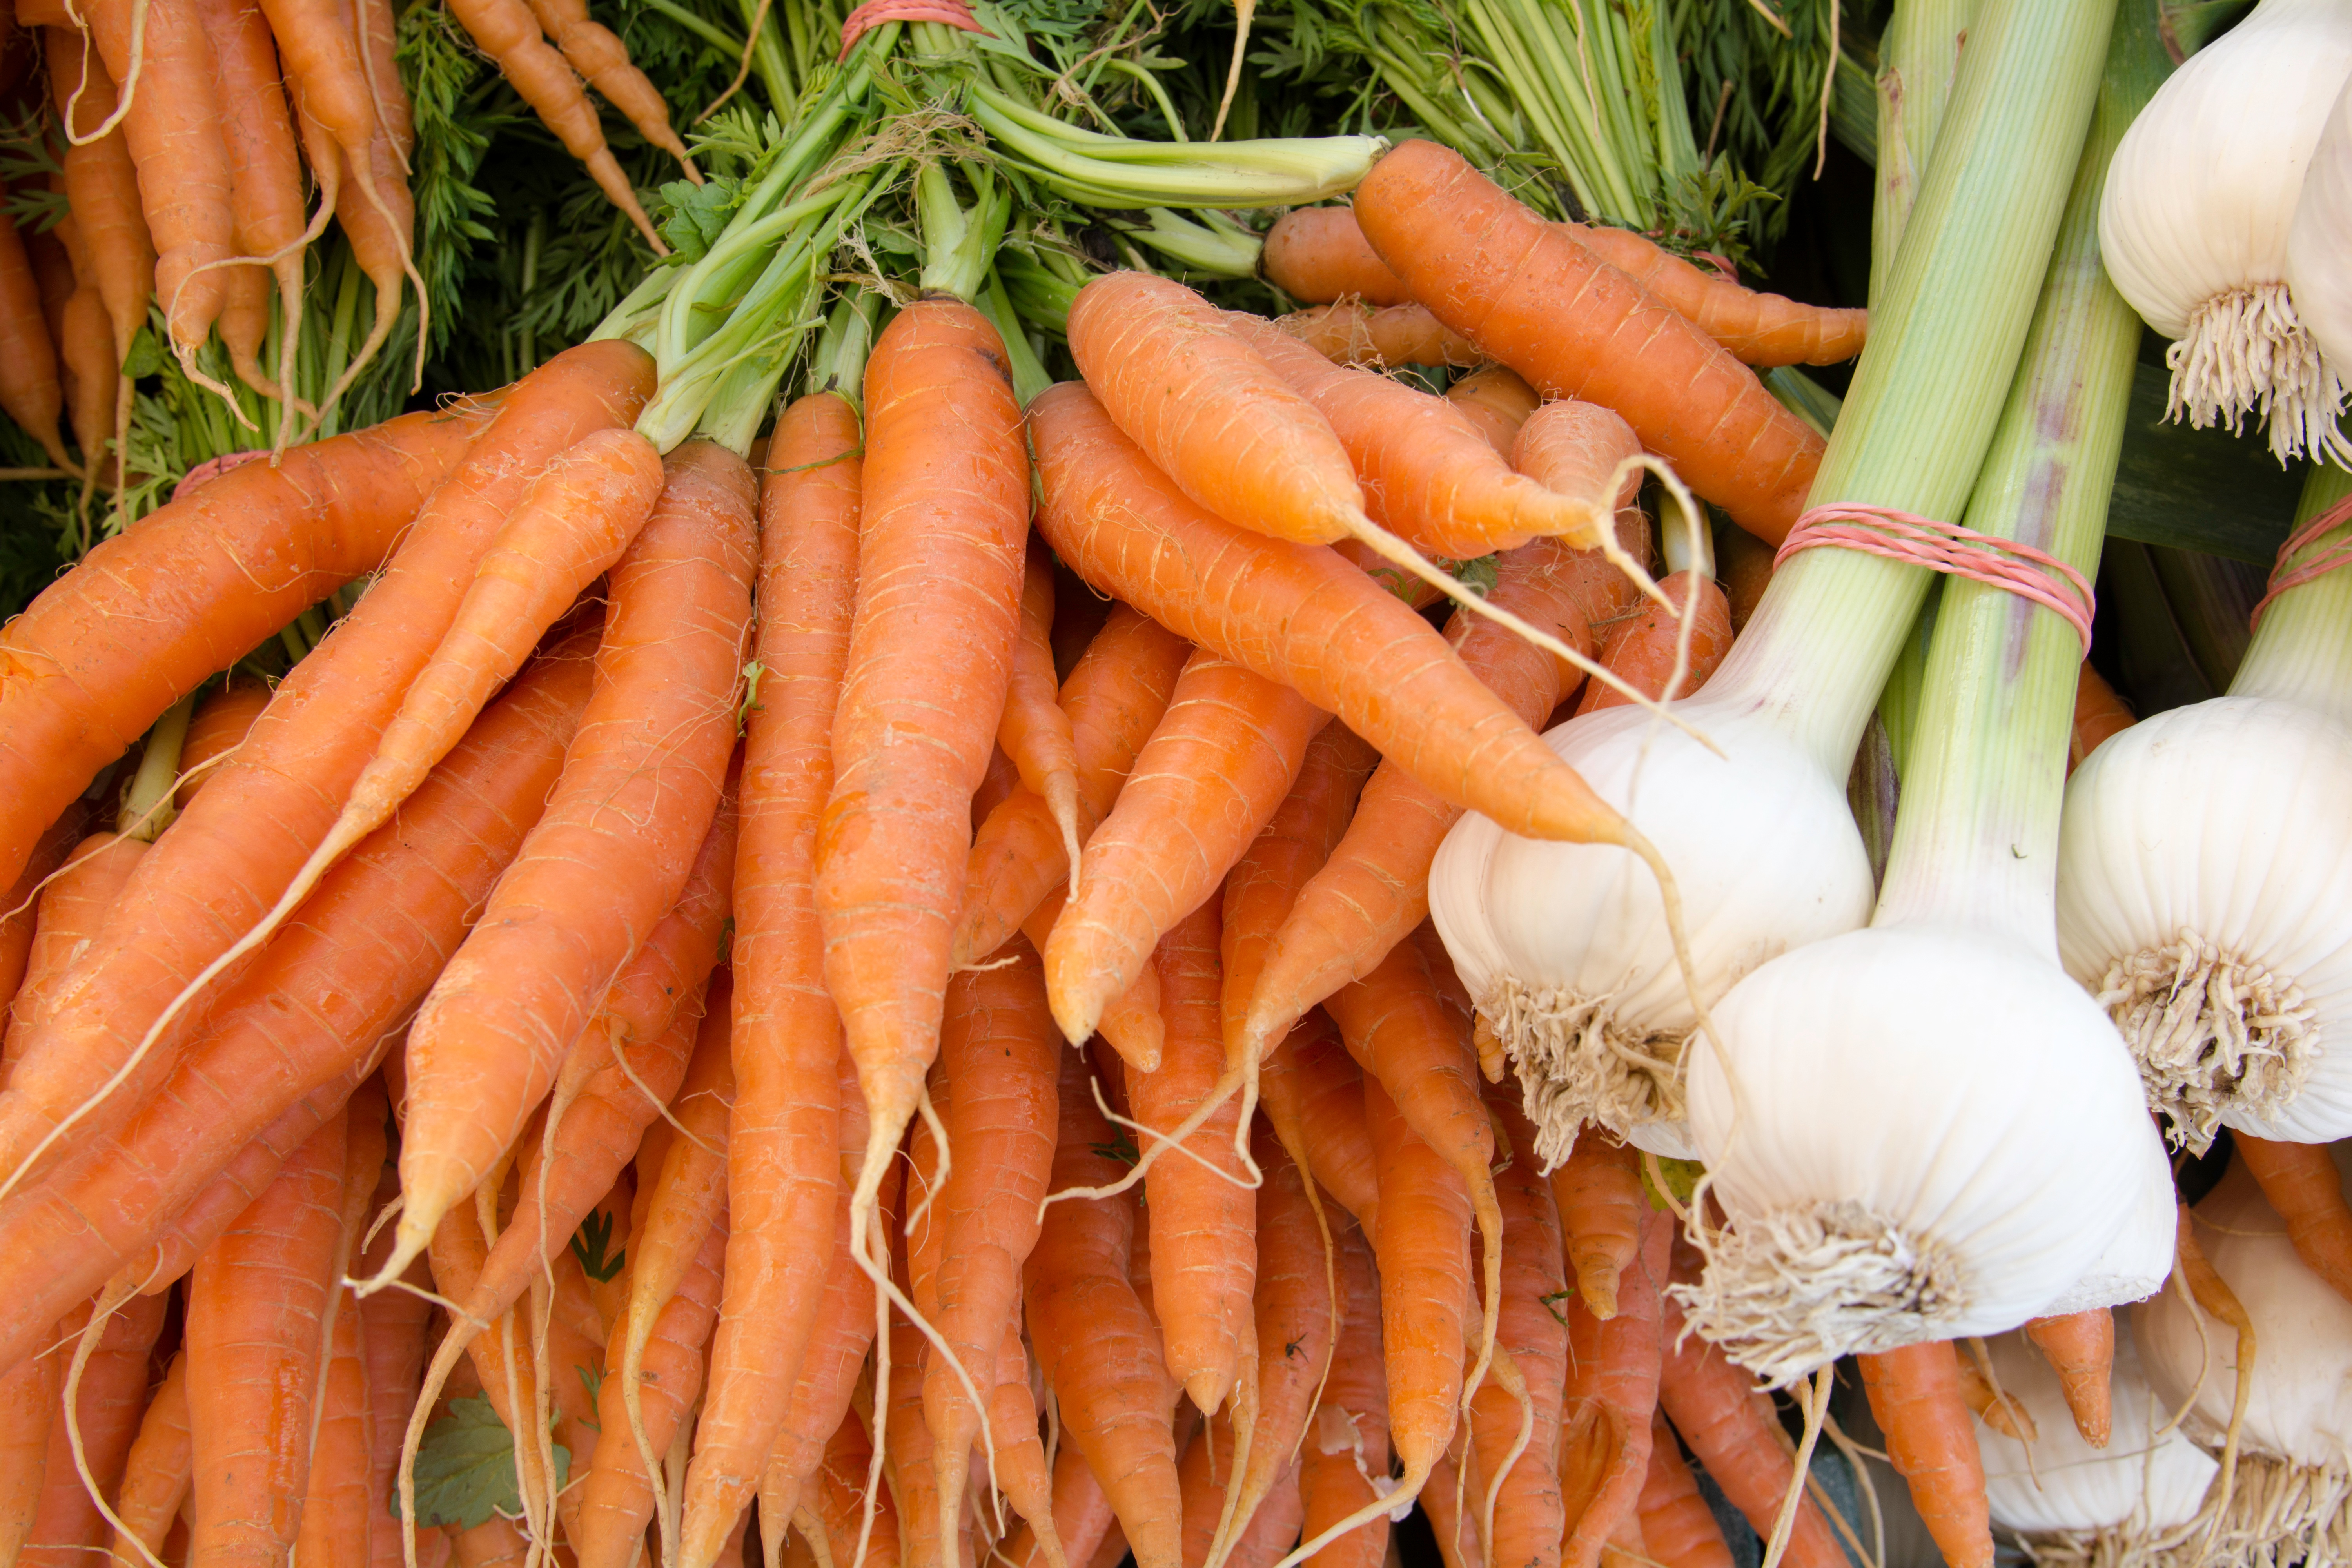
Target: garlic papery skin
x,y
2294,1490
2205,879
1920,1131
2140,1259
2097,1507
2321,238
2194,221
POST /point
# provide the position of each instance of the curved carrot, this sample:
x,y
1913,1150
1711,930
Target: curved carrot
x,y
1430,475
1575,327
86,353
1730,1426
1374,887
1115,697
1215,772
639,788
1612,1395
71,911
68,1530
596,54
1318,255
1020,1454
944,522
1302,617
2080,1349
1353,333
156,1472
1643,648
265,191
1348,1444
1599,1190
1315,1099
1035,731
1513,1482
1095,1344
1083,1521
254,1304
1677,1523
1758,329
1498,401
218,727
1578,449
30,391
1914,1395
783,1150
314,1009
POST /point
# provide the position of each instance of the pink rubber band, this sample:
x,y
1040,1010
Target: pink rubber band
x,y
1949,548
2319,565
213,467
874,13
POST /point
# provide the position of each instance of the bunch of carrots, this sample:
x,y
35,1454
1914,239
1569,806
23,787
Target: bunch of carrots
x,y
885,989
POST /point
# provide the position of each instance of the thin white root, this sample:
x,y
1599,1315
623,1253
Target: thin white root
x,y
2211,1031
1579,1062
2247,351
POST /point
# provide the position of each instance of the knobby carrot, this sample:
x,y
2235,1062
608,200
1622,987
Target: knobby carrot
x,y
2080,1349
1602,1209
1575,327
1677,1526
1034,730
1578,449
783,1150
1644,649
155,1474
1498,401
1514,1479
1315,1097
1098,1348
1020,1452
1352,333
1115,697
71,911
1611,1392
1348,1441
1914,1395
1215,772
1374,885
1304,618
942,530
640,785
1317,255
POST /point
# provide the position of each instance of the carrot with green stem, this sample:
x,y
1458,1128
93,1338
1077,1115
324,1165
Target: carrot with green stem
x,y
1537,301
2080,1349
1219,765
1115,697
1422,1253
783,1175
1373,887
1345,1460
156,1471
1611,1393
1514,1483
1915,1397
943,526
640,786
1034,730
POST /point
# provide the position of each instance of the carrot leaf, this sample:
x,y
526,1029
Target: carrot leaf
x,y
588,1245
466,1468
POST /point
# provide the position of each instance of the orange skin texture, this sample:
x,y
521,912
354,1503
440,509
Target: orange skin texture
x,y
336,1526
1095,1340
391,1343
2299,1181
304,1021
1314,1096
1035,731
1915,1396
68,915
1576,327
1374,887
1210,412
944,525
1576,448
1294,1321
1263,887
1131,1021
266,188
1641,650
1529,1513
67,1528
687,1199
244,838
1354,333
1214,773
29,1400
156,1472
1611,1395
1430,475
219,727
641,784
19,915
1115,696
784,1152
30,391
1082,1516
1318,255
1760,329
1427,1307
1602,1208
596,54
1351,1415
1021,1471
839,1498
2099,713
1299,616
2081,1348
1497,402
1676,1524
931,1518
1202,1219
254,1304
102,189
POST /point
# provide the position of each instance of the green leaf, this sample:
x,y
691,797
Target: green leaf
x,y
466,1468
588,1245
1121,1148
145,358
592,1378
1680,1176
696,215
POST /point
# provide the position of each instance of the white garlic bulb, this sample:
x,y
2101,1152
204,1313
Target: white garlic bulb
x,y
2319,241
2193,223
2138,1262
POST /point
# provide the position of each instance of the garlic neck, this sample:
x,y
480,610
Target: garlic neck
x,y
2301,652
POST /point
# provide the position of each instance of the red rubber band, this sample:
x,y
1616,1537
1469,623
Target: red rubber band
x,y
1949,548
213,467
874,13
2319,565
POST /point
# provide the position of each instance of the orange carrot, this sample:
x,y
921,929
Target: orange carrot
x,y
30,392
1318,255
1020,1454
1730,1426
70,912
1131,1021
1347,1445
1273,1530
28,1401
156,1472
1303,616
1602,1209
1514,1480
106,1407
640,785
102,188
1115,697
1204,1478
839,1506
1430,475
1315,1097
219,727
1612,1391
336,1524
86,351
265,191
1578,449
496,1543
1760,329
1374,885
1354,333
943,526
1643,648
1213,772
392,1326
1096,1346
308,1017
596,54
1295,1320
1082,1517
254,1304
2081,1348
1676,1524
1539,302
930,1520
1497,401
1914,1395
2099,713
1035,731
